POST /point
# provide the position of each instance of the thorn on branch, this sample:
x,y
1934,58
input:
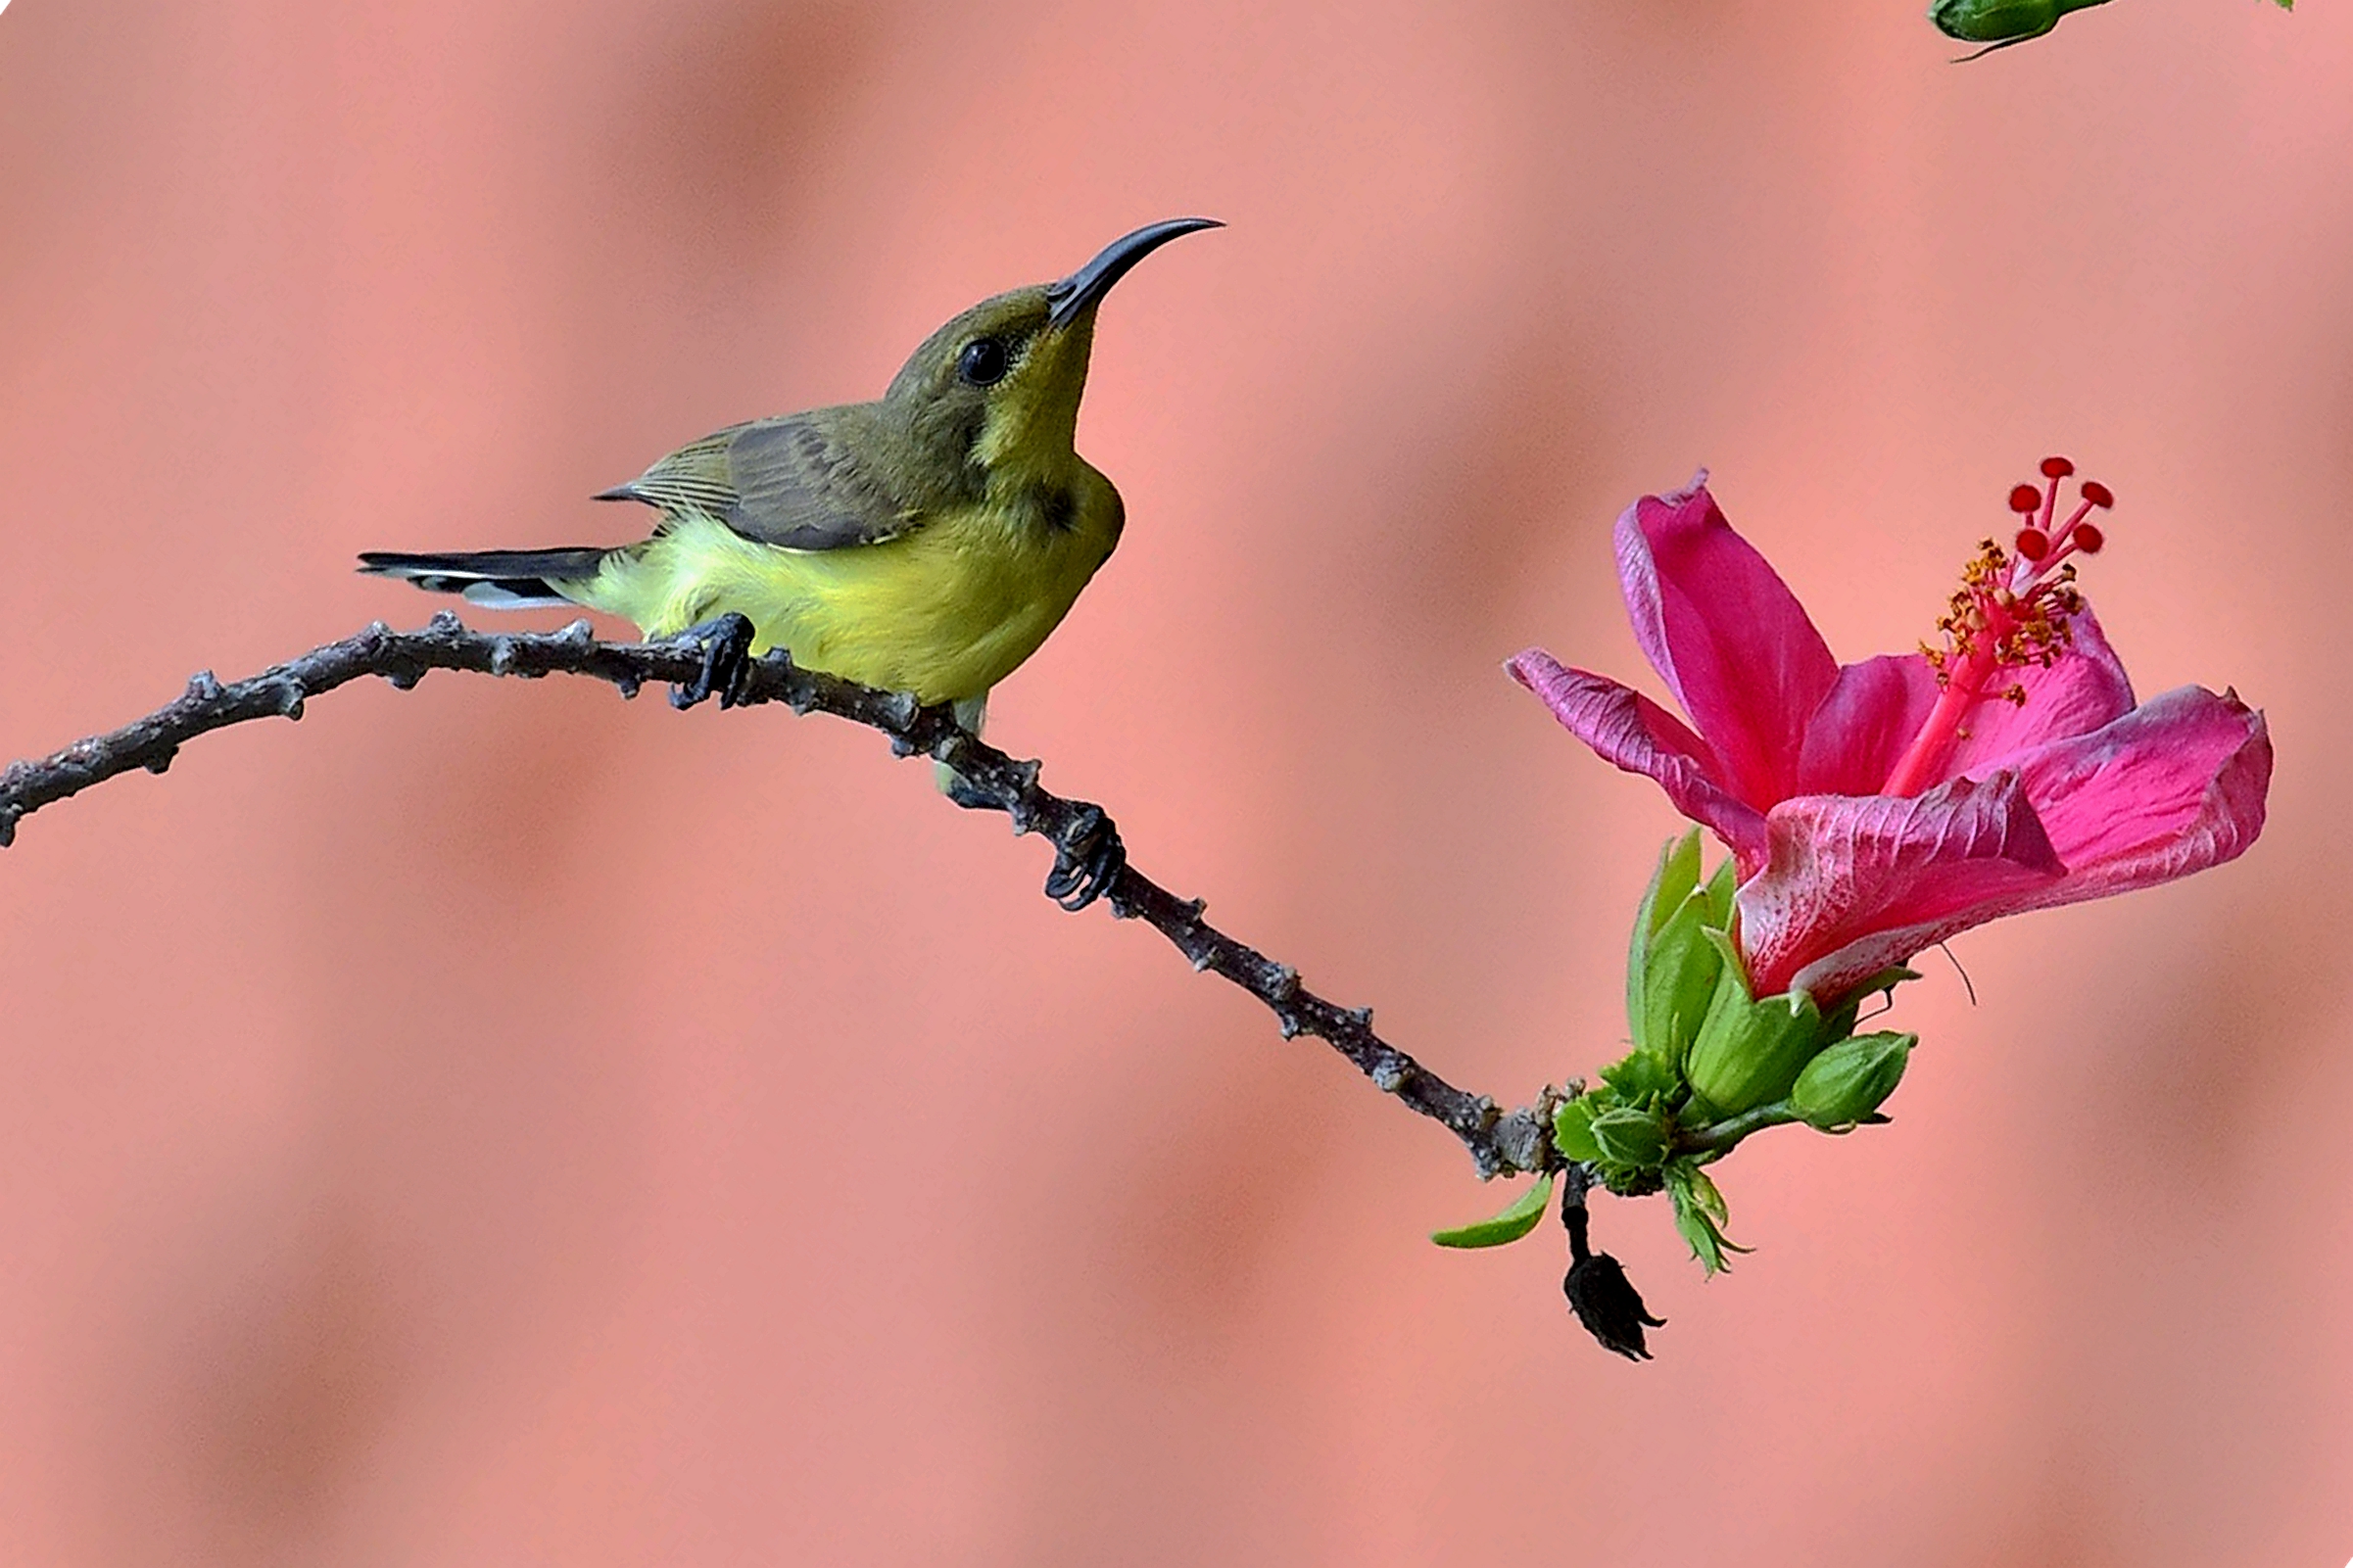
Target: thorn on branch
x,y
1090,862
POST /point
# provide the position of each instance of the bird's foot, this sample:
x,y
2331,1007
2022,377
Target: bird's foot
x,y
726,643
1089,858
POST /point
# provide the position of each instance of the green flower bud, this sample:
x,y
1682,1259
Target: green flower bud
x,y
1748,1052
2001,23
1850,1080
1629,1137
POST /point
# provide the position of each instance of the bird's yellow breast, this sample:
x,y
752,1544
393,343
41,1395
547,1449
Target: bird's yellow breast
x,y
944,611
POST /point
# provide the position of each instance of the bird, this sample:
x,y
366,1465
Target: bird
x,y
927,541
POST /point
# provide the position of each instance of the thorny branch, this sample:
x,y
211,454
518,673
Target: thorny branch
x,y
1499,1142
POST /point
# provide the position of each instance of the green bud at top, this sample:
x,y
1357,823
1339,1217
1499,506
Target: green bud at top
x,y
1850,1080
1748,1053
2001,21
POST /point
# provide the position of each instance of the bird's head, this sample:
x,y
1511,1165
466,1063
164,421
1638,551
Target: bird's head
x,y
998,387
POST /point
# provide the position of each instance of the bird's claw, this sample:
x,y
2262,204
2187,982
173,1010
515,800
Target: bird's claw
x,y
726,643
1089,858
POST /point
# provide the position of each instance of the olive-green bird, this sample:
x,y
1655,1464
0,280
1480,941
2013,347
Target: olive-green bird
x,y
926,542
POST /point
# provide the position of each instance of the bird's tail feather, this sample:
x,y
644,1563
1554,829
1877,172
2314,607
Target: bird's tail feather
x,y
499,579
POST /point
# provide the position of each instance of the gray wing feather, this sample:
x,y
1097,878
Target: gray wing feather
x,y
793,482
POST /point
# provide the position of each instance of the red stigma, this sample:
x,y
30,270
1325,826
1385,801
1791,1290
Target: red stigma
x,y
2034,544
2025,499
2087,538
2099,496
2056,468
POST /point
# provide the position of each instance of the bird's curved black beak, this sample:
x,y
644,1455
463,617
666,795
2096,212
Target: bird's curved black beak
x,y
1068,298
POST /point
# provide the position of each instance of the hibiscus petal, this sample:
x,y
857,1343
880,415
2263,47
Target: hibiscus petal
x,y
2173,787
1852,884
1638,736
2085,689
1865,723
1727,635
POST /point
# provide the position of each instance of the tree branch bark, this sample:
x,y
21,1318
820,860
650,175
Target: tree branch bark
x,y
1499,1142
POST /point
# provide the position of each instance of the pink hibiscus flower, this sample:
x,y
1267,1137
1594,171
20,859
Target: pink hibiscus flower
x,y
1875,809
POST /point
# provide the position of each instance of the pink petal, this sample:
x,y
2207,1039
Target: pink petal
x,y
1727,635
1638,736
2173,787
1852,884
2085,688
1860,729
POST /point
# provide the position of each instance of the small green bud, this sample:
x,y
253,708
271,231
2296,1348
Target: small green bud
x,y
2001,23
1626,1136
1748,1052
1850,1080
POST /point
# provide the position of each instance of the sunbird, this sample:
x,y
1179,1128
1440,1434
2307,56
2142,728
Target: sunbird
x,y
926,542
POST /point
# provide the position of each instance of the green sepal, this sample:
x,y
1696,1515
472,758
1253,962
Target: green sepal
x,y
1838,1025
1629,1137
1677,982
1749,1053
1849,1082
1701,1215
1716,896
1640,1078
1676,876
1508,1226
1573,1130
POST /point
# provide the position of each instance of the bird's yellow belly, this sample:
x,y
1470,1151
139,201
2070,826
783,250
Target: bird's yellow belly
x,y
944,612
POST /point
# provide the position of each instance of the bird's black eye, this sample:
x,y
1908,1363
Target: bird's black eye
x,y
983,361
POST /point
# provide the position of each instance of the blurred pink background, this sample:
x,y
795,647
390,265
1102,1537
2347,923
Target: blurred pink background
x,y
502,1124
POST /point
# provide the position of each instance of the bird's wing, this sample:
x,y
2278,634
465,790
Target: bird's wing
x,y
794,482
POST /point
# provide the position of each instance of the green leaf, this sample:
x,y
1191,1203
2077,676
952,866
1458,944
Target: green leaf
x,y
1573,1130
1510,1225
